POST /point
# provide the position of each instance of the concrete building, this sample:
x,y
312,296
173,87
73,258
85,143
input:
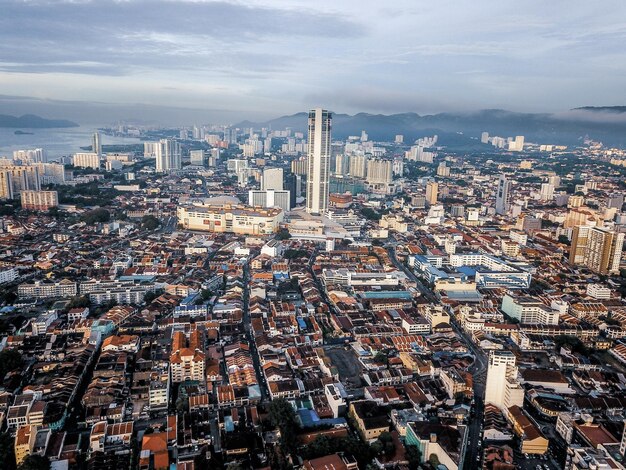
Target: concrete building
x,y
168,156
502,195
270,198
596,248
39,200
272,179
86,160
529,311
379,171
238,219
432,190
502,388
318,174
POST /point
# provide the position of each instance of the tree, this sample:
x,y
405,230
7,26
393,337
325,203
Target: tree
x,y
7,455
563,239
10,360
35,462
80,301
283,234
433,460
150,222
386,440
95,216
283,416
413,456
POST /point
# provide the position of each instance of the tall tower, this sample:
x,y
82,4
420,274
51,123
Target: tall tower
x,y
432,190
96,144
502,388
168,156
272,179
318,175
502,195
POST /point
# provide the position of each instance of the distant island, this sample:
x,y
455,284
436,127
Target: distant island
x,y
31,121
18,132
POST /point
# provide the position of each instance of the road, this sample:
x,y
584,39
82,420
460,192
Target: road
x,y
249,336
478,369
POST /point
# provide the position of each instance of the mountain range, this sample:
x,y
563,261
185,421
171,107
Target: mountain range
x,y
606,124
32,121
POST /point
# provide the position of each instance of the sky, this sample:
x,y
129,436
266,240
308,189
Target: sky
x,y
167,60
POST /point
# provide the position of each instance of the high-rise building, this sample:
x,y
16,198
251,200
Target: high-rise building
x,y
168,156
547,192
272,179
502,388
96,143
318,176
196,157
517,145
86,160
615,200
6,185
358,166
399,139
443,170
596,248
17,178
484,137
342,164
150,149
502,195
30,155
293,184
270,198
379,171
39,200
432,190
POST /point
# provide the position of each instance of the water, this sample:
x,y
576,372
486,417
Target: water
x,y
55,142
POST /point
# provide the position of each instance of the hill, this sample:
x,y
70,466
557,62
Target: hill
x,y
31,121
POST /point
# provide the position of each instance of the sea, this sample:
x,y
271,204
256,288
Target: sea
x,y
55,142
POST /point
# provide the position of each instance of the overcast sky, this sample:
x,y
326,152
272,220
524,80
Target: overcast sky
x,y
264,58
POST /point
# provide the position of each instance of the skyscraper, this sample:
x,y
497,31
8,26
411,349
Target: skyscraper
x,y
598,249
318,174
432,189
502,195
358,166
96,143
484,137
196,157
272,179
168,156
379,171
502,388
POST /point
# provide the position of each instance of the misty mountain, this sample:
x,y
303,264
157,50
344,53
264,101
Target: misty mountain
x,y
31,121
606,124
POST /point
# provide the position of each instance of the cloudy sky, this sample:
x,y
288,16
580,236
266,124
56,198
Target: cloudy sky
x,y
262,58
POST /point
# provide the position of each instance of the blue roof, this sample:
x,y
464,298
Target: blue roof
x,y
309,419
302,323
387,294
229,426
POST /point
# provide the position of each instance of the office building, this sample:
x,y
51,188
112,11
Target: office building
x,y
293,184
502,388
596,248
196,157
86,160
272,179
379,171
318,175
432,190
96,143
168,156
270,198
502,195
39,200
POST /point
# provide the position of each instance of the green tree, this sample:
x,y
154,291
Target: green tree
x,y
150,222
95,216
413,456
35,462
283,416
7,455
433,460
386,440
283,234
10,360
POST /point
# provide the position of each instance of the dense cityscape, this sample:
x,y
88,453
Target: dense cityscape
x,y
229,297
